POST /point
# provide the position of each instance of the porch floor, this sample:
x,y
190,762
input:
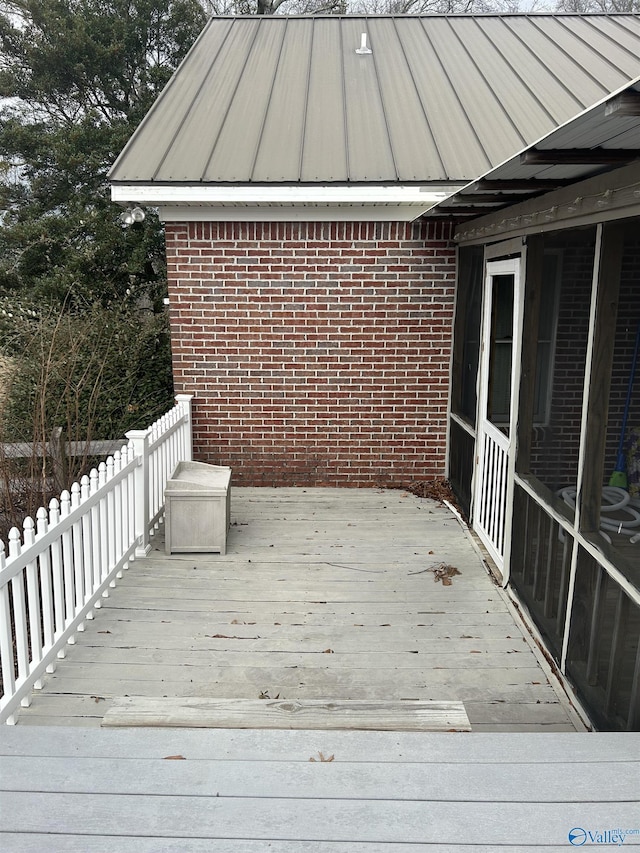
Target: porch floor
x,y
323,594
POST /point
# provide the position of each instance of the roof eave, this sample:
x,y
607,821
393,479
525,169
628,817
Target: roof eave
x,y
324,202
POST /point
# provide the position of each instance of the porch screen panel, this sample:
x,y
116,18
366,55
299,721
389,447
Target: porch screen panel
x,y
467,334
604,647
621,482
541,566
461,450
560,363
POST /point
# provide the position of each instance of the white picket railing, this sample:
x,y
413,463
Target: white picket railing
x,y
59,568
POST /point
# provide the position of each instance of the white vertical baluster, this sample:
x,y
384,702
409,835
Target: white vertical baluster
x,y
67,562
87,543
57,572
6,640
153,475
117,498
157,458
111,516
78,552
33,597
19,609
164,462
46,586
48,624
96,534
104,528
132,498
67,558
125,520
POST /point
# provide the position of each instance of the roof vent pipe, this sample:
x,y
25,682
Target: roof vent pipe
x,y
363,49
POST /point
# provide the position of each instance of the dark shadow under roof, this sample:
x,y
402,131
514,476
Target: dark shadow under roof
x,y
439,98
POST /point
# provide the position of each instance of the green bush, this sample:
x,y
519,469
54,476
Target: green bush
x,y
95,372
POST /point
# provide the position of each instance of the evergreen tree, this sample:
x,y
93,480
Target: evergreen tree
x,y
77,76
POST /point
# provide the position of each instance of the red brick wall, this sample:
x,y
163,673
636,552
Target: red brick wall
x,y
318,353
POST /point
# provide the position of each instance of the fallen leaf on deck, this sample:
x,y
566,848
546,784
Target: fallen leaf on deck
x,y
99,699
444,573
265,695
174,758
327,652
475,652
323,758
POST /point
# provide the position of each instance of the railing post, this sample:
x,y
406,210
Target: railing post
x,y
140,440
184,401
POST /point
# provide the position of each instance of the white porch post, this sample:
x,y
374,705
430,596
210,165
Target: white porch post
x,y
140,440
184,401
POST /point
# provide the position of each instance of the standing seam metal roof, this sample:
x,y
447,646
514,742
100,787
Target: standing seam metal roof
x,y
440,98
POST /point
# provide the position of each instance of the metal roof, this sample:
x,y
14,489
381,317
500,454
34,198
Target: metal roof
x,y
600,139
439,98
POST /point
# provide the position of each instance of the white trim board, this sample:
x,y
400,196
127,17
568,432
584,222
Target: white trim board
x,y
226,203
292,213
221,194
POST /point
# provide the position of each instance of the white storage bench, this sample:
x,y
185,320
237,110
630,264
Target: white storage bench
x,y
197,508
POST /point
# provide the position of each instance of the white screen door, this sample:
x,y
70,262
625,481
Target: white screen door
x,y
496,409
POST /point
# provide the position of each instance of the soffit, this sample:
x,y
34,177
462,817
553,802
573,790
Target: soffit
x,y
588,167
263,100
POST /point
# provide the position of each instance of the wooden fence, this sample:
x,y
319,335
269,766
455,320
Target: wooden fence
x,y
58,450
59,567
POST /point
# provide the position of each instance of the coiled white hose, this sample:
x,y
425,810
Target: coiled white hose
x,y
614,499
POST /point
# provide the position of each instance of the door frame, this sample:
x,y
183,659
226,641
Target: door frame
x,y
514,265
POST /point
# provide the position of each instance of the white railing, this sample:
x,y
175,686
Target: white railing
x,y
59,568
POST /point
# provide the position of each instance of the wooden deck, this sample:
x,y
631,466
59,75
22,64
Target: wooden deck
x,y
324,594
231,791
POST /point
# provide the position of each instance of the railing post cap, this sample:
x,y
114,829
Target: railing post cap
x,y
183,398
136,434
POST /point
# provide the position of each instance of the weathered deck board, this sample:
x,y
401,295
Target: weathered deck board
x,y
246,791
200,619
271,745
266,818
307,571
356,715
544,783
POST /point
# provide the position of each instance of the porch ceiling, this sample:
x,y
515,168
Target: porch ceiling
x,y
602,138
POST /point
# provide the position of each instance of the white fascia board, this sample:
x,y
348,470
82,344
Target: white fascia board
x,y
218,195
293,213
